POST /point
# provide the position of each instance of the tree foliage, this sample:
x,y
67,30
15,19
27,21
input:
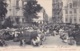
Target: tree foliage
x,y
3,9
8,23
30,11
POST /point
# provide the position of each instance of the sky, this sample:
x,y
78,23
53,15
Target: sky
x,y
64,2
47,5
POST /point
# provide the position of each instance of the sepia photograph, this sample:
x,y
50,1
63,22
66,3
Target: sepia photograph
x,y
39,23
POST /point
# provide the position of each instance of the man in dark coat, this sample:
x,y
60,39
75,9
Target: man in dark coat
x,y
21,38
77,37
2,41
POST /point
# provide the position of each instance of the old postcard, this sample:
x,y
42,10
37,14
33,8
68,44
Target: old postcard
x,y
39,25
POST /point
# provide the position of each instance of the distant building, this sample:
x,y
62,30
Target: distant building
x,y
43,17
71,12
15,10
57,11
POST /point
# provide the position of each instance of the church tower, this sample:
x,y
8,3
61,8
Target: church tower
x,y
57,11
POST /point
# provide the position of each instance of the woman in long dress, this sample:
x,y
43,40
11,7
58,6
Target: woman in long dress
x,y
61,33
36,41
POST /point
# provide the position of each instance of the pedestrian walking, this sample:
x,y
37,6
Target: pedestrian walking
x,y
65,37
72,35
55,32
77,37
21,39
36,41
2,41
61,33
22,42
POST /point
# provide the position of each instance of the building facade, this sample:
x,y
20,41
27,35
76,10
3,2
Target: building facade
x,y
15,10
71,12
57,11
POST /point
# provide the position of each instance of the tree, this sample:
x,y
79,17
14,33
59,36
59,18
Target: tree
x,y
3,9
8,23
30,11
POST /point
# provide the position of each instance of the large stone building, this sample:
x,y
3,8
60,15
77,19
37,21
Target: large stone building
x,y
15,10
71,12
57,11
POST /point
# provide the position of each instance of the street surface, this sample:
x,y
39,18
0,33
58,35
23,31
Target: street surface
x,y
54,40
50,41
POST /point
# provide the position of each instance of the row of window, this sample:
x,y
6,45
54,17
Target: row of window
x,y
55,0
70,12
72,20
74,4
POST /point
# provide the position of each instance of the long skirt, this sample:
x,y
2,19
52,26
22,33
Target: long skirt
x,y
71,41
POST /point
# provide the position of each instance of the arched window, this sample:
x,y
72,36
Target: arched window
x,y
75,11
70,5
66,11
75,20
75,3
70,12
17,4
70,19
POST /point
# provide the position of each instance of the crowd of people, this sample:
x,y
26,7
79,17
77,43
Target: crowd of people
x,y
33,37
68,34
36,37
